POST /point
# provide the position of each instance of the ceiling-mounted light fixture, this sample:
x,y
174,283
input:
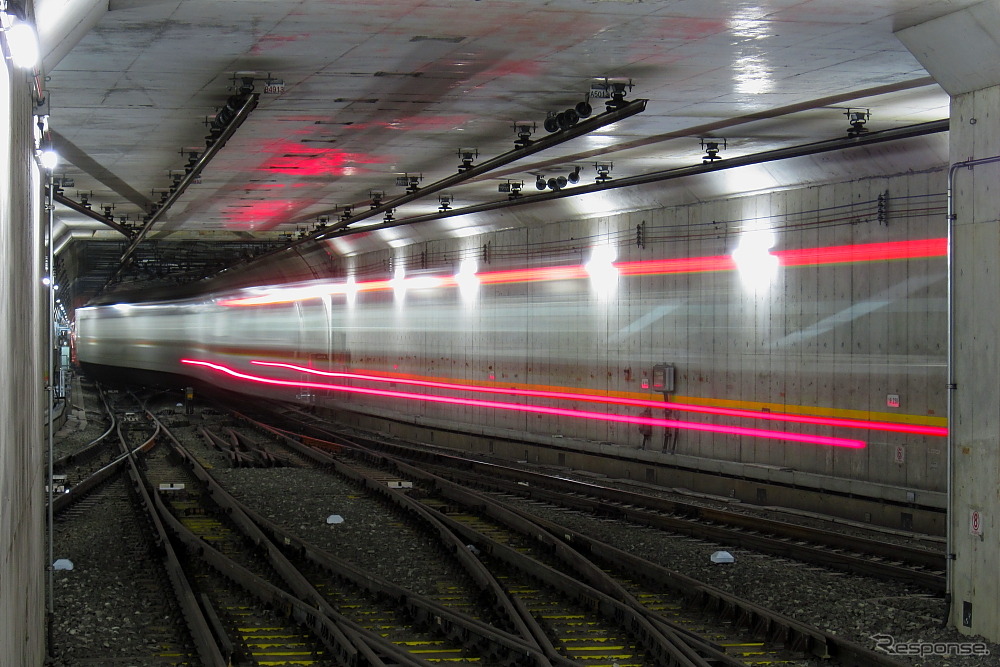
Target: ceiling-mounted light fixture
x,y
574,176
225,115
563,120
540,182
601,265
398,281
711,147
757,266
445,202
21,40
351,289
376,197
468,283
48,158
346,213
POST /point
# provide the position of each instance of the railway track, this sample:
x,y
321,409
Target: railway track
x,y
561,618
795,636
889,560
808,544
164,641
82,472
126,546
531,590
387,624
82,462
561,626
247,629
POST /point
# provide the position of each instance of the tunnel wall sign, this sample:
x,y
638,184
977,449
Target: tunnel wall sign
x,y
976,523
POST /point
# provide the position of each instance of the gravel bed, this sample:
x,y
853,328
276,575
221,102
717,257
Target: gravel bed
x,y
854,607
891,536
101,612
846,605
833,524
85,421
373,535
114,606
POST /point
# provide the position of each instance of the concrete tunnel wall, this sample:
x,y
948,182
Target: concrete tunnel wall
x,y
831,336
22,309
841,339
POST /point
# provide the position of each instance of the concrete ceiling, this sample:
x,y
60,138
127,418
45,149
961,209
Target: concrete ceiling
x,y
378,90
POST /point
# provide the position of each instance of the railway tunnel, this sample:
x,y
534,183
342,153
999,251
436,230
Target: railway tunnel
x,y
744,251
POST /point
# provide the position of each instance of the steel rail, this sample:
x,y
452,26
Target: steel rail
x,y
540,647
199,626
339,633
871,557
788,545
915,556
817,641
454,622
797,635
668,643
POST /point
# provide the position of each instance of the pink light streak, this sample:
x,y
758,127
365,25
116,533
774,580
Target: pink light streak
x,y
893,427
561,412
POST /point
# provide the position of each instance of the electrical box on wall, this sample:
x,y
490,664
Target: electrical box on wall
x,y
663,378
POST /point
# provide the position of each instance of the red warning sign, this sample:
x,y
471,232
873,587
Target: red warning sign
x,y
976,522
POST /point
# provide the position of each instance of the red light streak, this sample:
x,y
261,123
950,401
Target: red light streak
x,y
654,267
665,405
869,252
257,212
561,412
295,159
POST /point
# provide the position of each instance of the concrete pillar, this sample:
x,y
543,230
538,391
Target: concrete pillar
x,y
62,24
22,395
960,50
975,478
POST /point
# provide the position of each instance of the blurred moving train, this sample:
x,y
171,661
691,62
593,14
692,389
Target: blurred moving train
x,y
819,349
